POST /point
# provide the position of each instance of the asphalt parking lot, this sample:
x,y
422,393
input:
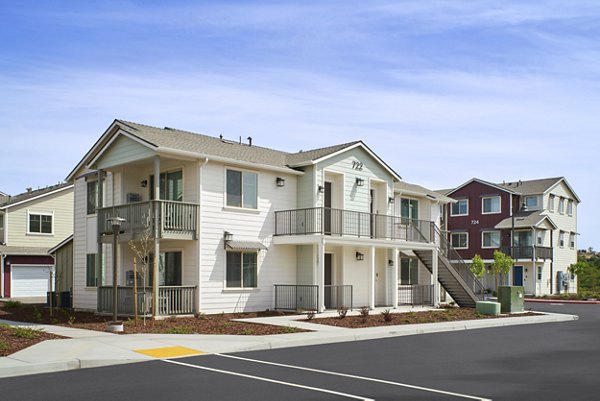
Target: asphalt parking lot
x,y
556,361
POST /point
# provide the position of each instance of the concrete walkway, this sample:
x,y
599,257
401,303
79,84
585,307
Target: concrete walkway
x,y
86,348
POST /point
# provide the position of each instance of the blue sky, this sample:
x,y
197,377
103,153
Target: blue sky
x,y
442,90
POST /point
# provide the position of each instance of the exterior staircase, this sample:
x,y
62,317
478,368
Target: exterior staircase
x,y
456,278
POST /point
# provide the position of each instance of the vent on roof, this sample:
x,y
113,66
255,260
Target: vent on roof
x,y
249,141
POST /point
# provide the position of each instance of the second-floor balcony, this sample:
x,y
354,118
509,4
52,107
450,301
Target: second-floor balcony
x,y
531,252
349,223
157,218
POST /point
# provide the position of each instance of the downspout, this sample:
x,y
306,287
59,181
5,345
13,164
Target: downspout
x,y
552,262
2,275
198,237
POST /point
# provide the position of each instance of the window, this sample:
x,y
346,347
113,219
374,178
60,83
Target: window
x,y
539,273
491,205
561,205
460,208
490,239
92,197
561,239
459,240
572,241
409,271
241,270
551,203
242,189
523,239
531,202
570,207
540,238
40,223
169,269
170,186
91,274
409,209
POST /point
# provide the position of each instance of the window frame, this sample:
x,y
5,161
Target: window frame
x,y
466,233
551,201
32,213
241,270
537,201
242,172
91,257
484,232
572,240
570,207
413,271
561,205
162,184
561,239
466,200
483,198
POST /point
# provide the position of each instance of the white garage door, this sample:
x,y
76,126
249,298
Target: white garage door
x,y
30,281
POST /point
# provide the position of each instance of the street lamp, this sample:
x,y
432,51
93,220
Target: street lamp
x,y
115,222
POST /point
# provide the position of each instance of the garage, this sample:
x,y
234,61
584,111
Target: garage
x,y
30,281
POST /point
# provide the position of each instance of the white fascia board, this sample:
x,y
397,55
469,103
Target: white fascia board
x,y
38,197
491,184
563,179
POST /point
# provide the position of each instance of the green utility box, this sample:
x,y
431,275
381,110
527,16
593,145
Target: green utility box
x,y
511,298
488,308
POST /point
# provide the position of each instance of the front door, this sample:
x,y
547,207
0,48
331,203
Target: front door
x,y
328,281
518,275
327,211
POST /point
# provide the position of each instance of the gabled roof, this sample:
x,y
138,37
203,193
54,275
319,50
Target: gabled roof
x,y
414,189
525,219
61,244
169,140
537,187
34,194
451,191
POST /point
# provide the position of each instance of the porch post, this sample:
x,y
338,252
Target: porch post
x,y
396,253
372,278
156,210
99,198
321,275
434,276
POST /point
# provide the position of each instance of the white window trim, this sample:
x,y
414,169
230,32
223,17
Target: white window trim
x,y
561,239
570,207
561,205
238,289
29,213
537,201
490,231
573,242
551,201
239,208
492,197
457,215
459,232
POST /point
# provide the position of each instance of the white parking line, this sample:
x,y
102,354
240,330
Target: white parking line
x,y
432,390
322,390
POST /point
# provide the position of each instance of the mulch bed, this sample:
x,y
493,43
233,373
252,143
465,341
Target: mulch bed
x,y
445,315
15,339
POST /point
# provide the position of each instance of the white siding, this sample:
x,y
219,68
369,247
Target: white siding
x,y
123,150
83,298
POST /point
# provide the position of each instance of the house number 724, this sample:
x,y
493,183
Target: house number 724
x,y
474,222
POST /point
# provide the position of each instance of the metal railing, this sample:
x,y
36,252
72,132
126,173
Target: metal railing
x,y
528,252
341,222
297,297
339,296
173,217
459,265
415,294
172,300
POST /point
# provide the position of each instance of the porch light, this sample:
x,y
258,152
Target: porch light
x,y
144,183
390,263
280,182
391,200
227,236
321,189
360,256
360,182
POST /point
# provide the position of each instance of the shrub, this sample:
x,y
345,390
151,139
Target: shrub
x,y
37,314
246,332
3,345
310,315
387,315
12,304
364,313
200,315
24,332
342,312
180,330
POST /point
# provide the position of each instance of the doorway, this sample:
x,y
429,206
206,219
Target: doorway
x,y
518,275
327,211
328,280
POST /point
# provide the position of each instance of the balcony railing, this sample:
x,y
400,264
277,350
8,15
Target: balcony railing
x,y
172,300
528,252
175,219
340,222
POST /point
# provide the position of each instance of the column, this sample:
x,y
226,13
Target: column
x,y
395,253
372,278
434,275
321,275
99,203
156,220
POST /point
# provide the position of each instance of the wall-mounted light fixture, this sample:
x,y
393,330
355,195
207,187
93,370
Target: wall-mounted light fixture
x,y
391,200
144,183
390,263
360,256
280,182
360,182
321,189
227,236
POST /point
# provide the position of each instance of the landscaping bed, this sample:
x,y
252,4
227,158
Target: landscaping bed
x,y
13,339
391,319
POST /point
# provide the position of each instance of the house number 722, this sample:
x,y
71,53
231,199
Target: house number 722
x,y
357,165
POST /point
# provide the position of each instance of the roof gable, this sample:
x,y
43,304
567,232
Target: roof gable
x,y
492,185
33,195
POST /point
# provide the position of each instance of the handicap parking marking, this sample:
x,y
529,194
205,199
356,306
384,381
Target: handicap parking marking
x,y
265,379
169,352
387,382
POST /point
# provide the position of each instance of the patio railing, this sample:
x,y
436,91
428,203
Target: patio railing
x,y
528,252
172,300
296,297
415,294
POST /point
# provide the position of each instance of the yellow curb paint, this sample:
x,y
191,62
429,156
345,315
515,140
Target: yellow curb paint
x,y
169,352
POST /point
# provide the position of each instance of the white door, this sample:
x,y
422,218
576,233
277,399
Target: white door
x,y
30,281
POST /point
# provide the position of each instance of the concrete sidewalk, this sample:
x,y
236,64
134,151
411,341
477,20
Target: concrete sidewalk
x,y
86,348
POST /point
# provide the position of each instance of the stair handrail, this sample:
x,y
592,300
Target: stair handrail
x,y
458,264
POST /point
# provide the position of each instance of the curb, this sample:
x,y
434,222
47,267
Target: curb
x,y
562,301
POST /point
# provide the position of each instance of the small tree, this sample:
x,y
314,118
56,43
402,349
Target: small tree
x,y
477,267
501,266
142,249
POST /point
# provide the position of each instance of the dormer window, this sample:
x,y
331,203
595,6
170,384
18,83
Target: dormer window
x,y
531,202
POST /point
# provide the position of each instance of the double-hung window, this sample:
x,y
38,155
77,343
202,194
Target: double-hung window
x,y
39,223
242,189
491,204
92,196
459,240
561,205
570,207
242,270
561,239
572,240
460,208
551,203
490,239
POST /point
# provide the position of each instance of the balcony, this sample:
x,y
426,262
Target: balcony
x,y
527,252
348,223
176,220
172,300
